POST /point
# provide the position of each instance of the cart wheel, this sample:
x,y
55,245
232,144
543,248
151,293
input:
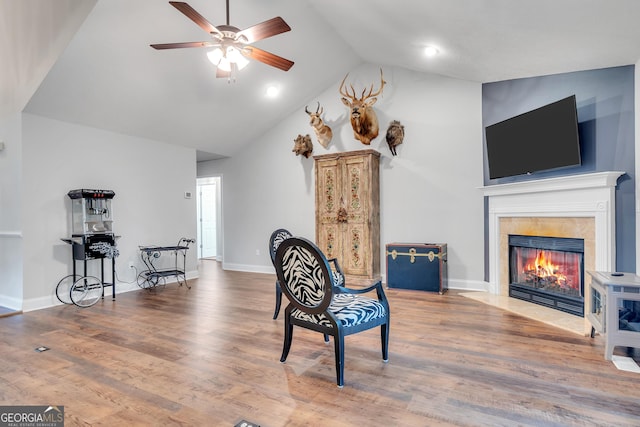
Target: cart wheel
x,y
86,291
142,279
64,288
147,280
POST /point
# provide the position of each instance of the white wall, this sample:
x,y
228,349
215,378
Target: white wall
x,y
429,192
33,35
10,223
149,179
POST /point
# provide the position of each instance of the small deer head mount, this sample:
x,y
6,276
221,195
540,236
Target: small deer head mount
x,y
323,132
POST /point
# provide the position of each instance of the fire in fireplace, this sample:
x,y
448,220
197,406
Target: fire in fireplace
x,y
548,271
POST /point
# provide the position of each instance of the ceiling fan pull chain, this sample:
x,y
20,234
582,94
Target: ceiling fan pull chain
x,y
233,73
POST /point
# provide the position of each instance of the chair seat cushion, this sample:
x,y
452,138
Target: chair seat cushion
x,y
348,309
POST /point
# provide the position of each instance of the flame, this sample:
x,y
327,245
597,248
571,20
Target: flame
x,y
545,268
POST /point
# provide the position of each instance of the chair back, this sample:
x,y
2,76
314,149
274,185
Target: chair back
x,y
304,275
276,238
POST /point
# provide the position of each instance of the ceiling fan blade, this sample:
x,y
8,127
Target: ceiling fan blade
x,y
181,45
265,29
267,58
191,13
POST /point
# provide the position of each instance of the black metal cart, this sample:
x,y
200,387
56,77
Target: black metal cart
x,y
154,276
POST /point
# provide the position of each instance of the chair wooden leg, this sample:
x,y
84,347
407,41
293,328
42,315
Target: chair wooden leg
x,y
288,336
278,300
384,335
339,350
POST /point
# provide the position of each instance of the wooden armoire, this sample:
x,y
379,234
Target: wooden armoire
x,y
348,210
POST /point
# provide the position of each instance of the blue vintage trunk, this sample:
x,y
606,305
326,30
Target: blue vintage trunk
x,y
421,266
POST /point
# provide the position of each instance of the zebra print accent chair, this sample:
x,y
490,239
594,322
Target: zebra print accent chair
x,y
316,302
277,237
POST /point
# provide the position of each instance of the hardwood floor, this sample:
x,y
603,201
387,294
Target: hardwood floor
x,y
209,356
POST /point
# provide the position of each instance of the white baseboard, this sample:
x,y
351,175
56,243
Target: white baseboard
x,y
458,284
468,285
462,285
248,268
10,302
51,301
122,287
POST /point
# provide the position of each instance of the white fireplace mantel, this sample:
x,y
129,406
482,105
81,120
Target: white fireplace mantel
x,y
586,195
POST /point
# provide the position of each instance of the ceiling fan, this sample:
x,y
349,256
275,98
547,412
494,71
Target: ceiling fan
x,y
232,46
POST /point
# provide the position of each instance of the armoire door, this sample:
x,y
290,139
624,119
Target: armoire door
x,y
347,210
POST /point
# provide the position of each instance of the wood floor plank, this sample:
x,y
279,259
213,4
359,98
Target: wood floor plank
x,y
210,356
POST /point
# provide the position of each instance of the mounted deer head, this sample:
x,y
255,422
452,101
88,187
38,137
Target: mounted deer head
x,y
323,132
363,119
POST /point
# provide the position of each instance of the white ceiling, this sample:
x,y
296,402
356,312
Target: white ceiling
x,y
108,77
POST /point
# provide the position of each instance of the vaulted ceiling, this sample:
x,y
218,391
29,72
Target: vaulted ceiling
x,y
89,62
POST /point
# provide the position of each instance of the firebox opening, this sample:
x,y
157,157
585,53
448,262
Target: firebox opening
x,y
548,271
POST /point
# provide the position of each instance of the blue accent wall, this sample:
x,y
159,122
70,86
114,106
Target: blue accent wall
x,y
605,104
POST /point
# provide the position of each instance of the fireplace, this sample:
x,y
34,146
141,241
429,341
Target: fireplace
x,y
548,271
572,206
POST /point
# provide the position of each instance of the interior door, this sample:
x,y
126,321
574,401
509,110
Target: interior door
x,y
207,222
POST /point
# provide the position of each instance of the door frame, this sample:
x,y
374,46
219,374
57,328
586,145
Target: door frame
x,y
219,221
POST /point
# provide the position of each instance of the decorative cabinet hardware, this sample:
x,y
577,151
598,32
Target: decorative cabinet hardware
x,y
412,254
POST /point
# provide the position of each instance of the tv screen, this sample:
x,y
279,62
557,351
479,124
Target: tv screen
x,y
541,139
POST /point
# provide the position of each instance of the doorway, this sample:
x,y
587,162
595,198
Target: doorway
x,y
209,218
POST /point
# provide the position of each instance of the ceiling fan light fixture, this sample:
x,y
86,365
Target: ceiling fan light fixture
x,y
224,57
234,55
215,55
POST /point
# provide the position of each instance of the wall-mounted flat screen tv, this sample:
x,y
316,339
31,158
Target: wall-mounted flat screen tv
x,y
541,139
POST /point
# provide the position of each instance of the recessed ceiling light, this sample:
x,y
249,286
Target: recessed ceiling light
x,y
272,91
431,51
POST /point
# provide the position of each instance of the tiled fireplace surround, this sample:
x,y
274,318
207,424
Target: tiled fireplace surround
x,y
579,206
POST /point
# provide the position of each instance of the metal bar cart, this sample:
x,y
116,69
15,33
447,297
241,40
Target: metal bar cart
x,y
155,276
